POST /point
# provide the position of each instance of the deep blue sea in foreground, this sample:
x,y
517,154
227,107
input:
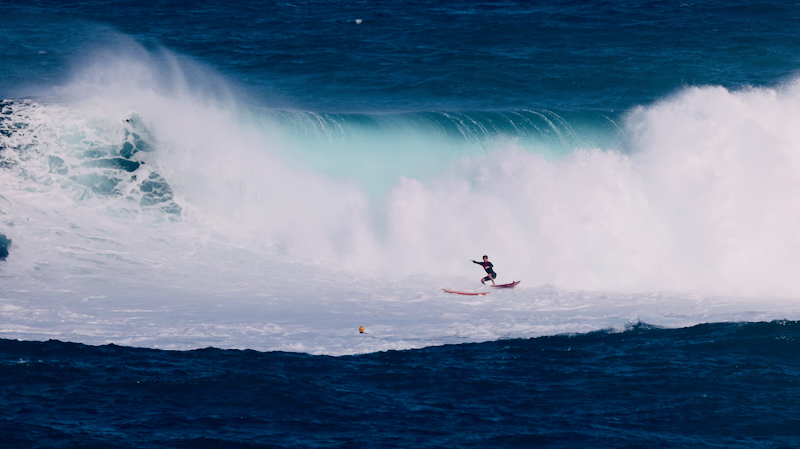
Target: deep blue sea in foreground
x,y
557,112
712,385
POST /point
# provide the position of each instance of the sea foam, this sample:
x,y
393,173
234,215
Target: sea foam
x,y
692,195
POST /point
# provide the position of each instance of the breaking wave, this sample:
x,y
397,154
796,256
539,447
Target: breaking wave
x,y
146,159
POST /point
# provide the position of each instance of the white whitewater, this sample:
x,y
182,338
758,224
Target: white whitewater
x,y
692,217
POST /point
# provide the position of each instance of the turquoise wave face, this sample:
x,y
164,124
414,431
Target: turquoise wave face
x,y
377,149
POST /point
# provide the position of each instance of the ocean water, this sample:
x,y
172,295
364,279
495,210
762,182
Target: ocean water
x,y
262,178
712,385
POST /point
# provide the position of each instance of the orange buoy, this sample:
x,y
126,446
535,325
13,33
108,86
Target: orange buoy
x,y
361,329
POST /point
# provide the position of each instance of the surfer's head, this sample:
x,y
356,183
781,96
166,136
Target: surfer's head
x,y
485,258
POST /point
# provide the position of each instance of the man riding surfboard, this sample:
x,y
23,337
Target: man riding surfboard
x,y
489,270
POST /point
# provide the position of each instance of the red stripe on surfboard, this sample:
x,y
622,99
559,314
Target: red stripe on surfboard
x,y
465,293
511,285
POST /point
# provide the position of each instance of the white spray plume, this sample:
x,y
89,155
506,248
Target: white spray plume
x,y
700,196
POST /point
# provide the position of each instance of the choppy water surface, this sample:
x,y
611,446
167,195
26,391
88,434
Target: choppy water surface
x,y
713,385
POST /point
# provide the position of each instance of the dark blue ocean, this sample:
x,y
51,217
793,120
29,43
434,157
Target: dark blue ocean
x,y
609,146
713,385
426,56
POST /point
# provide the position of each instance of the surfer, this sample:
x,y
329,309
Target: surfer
x,y
489,270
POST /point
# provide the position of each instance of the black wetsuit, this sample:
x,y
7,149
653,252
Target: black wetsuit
x,y
489,270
